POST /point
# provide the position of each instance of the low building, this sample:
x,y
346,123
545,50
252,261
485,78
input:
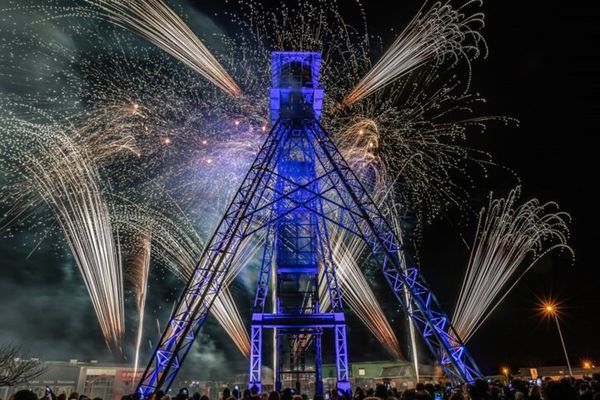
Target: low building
x,y
555,372
112,381
107,381
396,374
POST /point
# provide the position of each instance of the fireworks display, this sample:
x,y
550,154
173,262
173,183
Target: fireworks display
x,y
358,294
139,270
510,240
134,144
46,160
157,23
177,246
438,32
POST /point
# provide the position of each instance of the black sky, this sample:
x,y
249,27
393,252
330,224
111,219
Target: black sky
x,y
542,69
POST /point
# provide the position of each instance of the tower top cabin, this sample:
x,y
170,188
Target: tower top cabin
x,y
295,91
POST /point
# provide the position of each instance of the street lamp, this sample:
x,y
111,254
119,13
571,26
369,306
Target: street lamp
x,y
506,372
587,364
550,309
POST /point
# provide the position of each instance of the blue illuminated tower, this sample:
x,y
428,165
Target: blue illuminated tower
x,y
298,186
297,249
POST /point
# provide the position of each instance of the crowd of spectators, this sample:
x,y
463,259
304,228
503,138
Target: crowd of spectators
x,y
548,389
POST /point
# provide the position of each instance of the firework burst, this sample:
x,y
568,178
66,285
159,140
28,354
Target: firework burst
x,y
157,23
437,33
46,161
510,240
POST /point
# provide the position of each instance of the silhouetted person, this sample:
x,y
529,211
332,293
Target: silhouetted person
x,y
495,393
558,391
274,395
380,391
183,394
585,391
409,394
421,392
25,395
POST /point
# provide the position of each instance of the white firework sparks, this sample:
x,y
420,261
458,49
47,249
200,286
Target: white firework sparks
x,y
438,32
510,240
155,21
46,160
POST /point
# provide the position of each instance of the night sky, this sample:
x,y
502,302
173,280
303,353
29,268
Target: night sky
x,y
542,70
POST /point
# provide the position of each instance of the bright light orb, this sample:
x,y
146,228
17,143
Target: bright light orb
x,y
549,308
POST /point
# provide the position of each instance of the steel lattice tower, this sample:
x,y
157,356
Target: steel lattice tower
x,y
298,186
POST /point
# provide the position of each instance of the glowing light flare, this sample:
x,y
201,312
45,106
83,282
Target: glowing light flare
x,y
551,309
587,364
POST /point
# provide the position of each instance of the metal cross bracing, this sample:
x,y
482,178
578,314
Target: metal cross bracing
x,y
298,186
363,217
199,293
299,239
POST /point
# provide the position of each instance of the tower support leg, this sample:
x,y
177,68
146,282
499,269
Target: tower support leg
x,y
318,365
341,355
256,357
279,360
